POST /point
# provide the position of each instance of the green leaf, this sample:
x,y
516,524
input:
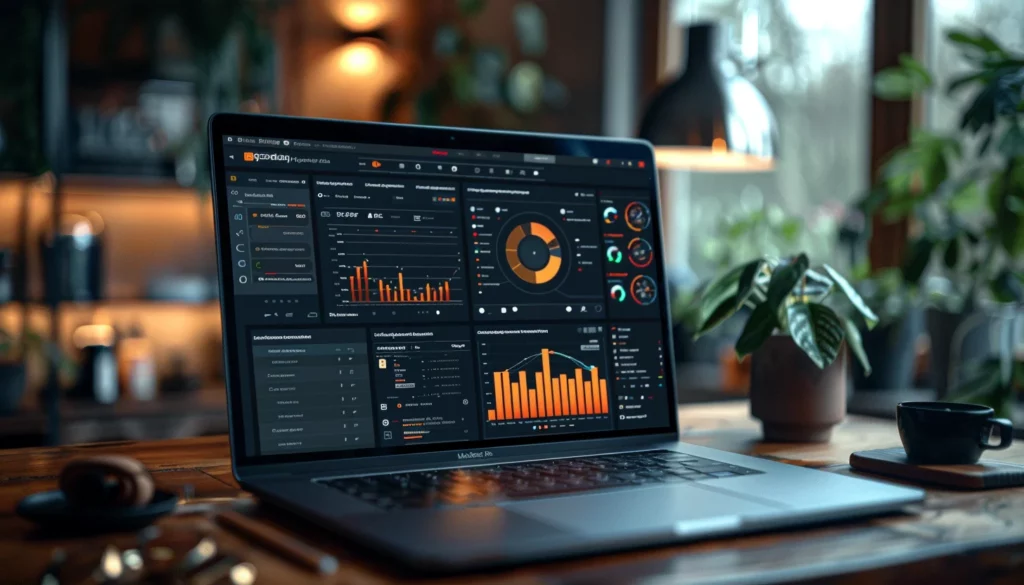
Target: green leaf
x,y
801,329
758,328
745,285
967,199
817,330
828,329
1007,287
764,318
951,257
784,278
956,84
918,257
719,290
854,297
790,229
719,315
1012,142
856,345
979,42
893,84
725,295
916,71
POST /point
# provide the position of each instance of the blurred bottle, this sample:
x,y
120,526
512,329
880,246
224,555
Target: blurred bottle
x,y
137,364
97,377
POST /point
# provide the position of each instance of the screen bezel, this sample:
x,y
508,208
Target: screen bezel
x,y
267,126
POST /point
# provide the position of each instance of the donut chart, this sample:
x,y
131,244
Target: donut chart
x,y
533,253
640,253
638,216
643,290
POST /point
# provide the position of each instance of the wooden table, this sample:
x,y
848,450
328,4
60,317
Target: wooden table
x,y
955,537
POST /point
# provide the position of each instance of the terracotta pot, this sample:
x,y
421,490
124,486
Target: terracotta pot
x,y
795,400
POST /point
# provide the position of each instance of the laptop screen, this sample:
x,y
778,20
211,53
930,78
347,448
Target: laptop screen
x,y
389,299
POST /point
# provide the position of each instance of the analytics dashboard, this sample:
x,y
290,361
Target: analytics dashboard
x,y
386,297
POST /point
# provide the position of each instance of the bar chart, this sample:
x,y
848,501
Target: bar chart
x,y
363,288
546,379
541,395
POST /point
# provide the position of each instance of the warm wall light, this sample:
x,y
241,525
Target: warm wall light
x,y
360,58
361,15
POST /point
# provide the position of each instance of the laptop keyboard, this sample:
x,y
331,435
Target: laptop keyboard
x,y
482,485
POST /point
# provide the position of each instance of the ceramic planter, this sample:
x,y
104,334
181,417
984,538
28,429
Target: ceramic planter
x,y
795,400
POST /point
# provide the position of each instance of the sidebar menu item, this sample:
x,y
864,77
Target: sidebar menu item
x,y
312,390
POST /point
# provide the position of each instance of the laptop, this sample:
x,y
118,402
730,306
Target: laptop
x,y
453,348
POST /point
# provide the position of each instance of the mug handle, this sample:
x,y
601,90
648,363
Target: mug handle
x,y
1005,434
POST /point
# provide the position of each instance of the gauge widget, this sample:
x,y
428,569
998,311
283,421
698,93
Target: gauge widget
x,y
618,293
643,290
641,253
638,216
613,254
610,214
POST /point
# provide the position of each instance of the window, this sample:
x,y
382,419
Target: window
x,y
812,62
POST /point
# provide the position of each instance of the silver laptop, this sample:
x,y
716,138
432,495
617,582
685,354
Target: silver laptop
x,y
452,348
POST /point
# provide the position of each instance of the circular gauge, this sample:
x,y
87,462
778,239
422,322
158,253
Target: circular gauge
x,y
613,254
611,215
638,216
533,252
643,290
640,253
618,293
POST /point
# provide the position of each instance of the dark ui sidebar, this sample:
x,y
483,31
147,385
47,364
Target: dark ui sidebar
x,y
312,390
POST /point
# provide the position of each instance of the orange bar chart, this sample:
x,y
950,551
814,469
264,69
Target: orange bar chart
x,y
550,396
391,292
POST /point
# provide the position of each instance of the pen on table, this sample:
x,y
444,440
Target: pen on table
x,y
279,542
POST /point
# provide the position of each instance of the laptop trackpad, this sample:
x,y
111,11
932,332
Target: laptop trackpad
x,y
642,509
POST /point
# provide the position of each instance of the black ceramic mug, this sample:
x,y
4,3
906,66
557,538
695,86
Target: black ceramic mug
x,y
949,433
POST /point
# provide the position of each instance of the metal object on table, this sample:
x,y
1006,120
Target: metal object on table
x,y
51,575
237,571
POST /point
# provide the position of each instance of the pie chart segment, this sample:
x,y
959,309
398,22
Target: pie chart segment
x,y
533,252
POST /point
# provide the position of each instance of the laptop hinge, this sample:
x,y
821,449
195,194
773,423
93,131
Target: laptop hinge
x,y
450,459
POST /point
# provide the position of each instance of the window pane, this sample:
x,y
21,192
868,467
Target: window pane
x,y
812,62
1003,20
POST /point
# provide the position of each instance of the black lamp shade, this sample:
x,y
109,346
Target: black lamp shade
x,y
710,118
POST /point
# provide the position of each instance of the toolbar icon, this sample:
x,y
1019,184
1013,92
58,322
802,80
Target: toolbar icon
x,y
375,164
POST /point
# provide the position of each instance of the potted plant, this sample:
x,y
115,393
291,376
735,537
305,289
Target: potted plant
x,y
764,230
965,196
795,331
